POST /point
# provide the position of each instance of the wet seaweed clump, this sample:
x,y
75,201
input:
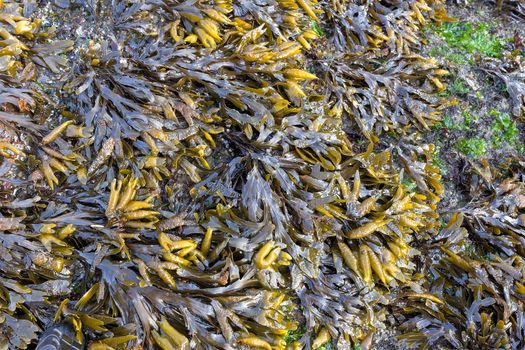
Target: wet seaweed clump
x,y
474,298
239,175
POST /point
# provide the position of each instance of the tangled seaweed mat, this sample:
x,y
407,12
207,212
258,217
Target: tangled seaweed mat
x,y
191,175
